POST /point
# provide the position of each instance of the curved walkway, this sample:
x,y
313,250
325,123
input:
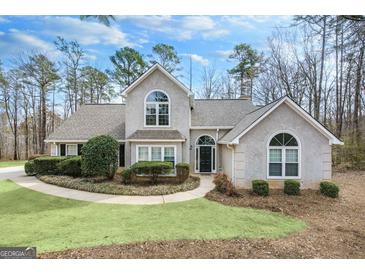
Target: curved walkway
x,y
17,175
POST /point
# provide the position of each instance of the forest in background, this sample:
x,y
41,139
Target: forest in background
x,y
318,61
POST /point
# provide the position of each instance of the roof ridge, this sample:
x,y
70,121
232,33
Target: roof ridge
x,y
275,101
223,99
104,104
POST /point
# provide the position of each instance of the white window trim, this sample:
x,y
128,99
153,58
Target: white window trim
x,y
283,157
157,109
55,146
67,145
162,151
197,150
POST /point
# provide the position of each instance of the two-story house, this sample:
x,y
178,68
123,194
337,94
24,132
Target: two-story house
x,y
161,121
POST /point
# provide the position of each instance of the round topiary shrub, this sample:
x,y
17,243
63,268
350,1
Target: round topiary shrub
x,y
100,157
70,167
329,189
291,187
29,168
260,187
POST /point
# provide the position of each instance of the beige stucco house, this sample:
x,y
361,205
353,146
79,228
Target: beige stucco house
x,y
161,120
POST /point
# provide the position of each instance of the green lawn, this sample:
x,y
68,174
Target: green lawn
x,y
12,163
29,218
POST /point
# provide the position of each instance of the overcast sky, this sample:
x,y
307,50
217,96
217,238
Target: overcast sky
x,y
209,39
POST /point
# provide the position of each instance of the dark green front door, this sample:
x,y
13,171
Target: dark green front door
x,y
205,159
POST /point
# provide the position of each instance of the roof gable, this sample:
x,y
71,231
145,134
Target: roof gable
x,y
148,73
255,117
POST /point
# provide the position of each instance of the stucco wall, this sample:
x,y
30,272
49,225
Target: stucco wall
x,y
195,134
179,109
251,153
226,156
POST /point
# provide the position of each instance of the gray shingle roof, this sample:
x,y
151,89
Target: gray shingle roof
x,y
154,134
246,122
92,120
220,112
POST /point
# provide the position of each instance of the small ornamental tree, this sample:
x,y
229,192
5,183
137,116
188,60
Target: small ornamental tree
x,y
100,157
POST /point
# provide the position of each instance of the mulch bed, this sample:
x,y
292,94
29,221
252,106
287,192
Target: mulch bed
x,y
115,187
336,229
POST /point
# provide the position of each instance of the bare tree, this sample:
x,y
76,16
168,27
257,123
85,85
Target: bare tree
x,y
210,82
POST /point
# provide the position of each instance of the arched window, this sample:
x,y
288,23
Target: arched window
x,y
205,140
283,156
157,112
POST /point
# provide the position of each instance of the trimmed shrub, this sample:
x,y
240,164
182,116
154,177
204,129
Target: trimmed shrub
x,y
70,167
100,156
47,165
152,168
291,187
260,187
127,175
224,185
182,171
329,189
29,168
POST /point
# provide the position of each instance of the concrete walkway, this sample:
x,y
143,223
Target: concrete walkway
x,y
17,175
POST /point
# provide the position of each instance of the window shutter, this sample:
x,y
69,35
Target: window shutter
x,y
79,147
62,149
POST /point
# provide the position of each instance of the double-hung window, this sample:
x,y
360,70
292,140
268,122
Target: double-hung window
x,y
71,150
283,157
157,109
142,154
156,153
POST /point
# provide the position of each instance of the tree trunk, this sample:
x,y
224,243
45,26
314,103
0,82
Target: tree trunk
x,y
356,128
319,94
15,127
43,120
26,141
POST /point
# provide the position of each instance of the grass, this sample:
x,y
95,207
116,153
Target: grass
x,y
30,218
12,163
118,188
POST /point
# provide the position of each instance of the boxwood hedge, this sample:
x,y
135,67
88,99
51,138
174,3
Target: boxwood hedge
x,y
260,187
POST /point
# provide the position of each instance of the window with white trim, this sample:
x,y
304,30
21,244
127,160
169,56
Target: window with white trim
x,y
283,158
54,150
71,150
156,153
142,154
169,155
157,109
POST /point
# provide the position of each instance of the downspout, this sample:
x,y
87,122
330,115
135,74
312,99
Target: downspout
x,y
216,152
231,147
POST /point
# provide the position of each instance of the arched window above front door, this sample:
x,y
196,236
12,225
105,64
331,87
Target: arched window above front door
x,y
283,156
157,109
205,140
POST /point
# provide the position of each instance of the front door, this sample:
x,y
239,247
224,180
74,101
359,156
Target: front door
x,y
205,159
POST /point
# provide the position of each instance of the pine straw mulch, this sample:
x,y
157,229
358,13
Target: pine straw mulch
x,y
336,229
